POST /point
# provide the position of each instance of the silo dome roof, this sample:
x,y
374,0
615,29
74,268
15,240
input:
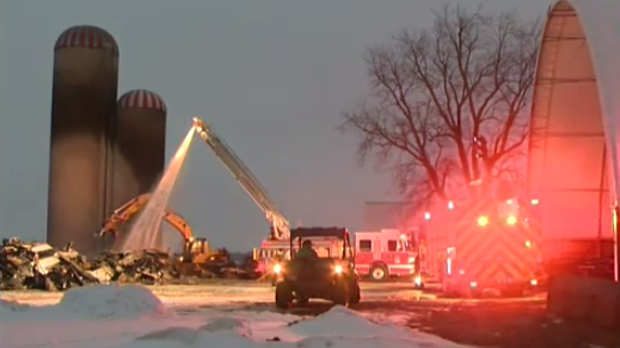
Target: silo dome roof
x,y
86,36
143,99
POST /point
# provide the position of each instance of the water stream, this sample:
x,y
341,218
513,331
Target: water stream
x,y
146,232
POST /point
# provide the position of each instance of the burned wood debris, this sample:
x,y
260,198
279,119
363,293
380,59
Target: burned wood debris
x,y
41,266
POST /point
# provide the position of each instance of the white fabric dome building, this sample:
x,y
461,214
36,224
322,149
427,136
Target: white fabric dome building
x,y
575,122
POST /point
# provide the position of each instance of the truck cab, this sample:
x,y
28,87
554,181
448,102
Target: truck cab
x,y
385,253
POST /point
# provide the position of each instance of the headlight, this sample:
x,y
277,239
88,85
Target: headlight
x,y
277,269
338,269
411,259
417,280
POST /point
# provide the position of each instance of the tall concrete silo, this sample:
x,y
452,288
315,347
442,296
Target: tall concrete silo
x,y
83,109
140,140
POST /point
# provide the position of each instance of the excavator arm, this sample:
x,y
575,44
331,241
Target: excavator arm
x,y
247,180
123,214
132,207
175,220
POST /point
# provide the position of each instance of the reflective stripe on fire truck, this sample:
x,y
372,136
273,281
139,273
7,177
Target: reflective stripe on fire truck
x,y
496,251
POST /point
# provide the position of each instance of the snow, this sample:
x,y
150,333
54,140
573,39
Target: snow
x,y
132,316
342,322
91,303
111,301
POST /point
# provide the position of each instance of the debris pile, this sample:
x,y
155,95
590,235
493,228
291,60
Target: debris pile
x,y
40,266
145,266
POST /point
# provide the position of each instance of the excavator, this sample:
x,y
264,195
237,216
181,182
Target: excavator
x,y
196,251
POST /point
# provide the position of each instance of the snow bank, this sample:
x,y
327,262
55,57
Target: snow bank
x,y
112,302
343,322
179,337
132,317
338,328
9,309
91,302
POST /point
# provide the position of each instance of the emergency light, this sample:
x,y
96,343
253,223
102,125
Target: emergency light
x,y
483,220
511,220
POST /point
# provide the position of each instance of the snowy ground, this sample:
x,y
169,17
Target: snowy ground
x,y
225,293
132,316
242,314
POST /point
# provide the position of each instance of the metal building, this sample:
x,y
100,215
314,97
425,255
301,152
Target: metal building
x,y
140,143
83,108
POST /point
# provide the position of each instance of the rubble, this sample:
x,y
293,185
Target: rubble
x,y
40,266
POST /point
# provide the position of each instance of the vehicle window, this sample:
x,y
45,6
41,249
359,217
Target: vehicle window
x,y
323,252
365,245
392,245
404,245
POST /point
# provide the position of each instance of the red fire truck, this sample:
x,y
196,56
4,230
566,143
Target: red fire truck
x,y
385,253
493,245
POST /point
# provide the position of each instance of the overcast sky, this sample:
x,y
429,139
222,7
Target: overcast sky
x,y
271,75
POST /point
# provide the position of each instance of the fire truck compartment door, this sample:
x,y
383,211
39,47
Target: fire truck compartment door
x,y
377,248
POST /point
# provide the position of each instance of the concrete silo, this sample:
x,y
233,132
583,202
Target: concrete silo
x,y
83,108
140,141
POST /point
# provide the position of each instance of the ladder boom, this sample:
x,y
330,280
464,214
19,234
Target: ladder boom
x,y
247,180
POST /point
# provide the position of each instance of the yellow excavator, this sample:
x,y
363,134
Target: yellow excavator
x,y
195,250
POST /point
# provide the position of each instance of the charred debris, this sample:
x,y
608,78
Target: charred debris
x,y
26,265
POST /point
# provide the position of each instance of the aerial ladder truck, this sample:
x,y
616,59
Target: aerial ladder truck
x,y
280,229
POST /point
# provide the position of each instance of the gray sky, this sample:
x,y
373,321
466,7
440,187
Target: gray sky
x,y
271,75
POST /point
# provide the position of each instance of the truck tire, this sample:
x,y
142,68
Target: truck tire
x,y
379,273
284,296
302,299
341,294
340,297
355,293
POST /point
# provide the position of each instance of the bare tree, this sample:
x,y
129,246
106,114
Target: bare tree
x,y
446,105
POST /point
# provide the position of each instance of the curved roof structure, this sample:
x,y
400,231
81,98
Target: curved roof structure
x,y
575,122
142,99
86,36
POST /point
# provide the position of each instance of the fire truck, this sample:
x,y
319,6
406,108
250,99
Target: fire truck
x,y
386,253
490,244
